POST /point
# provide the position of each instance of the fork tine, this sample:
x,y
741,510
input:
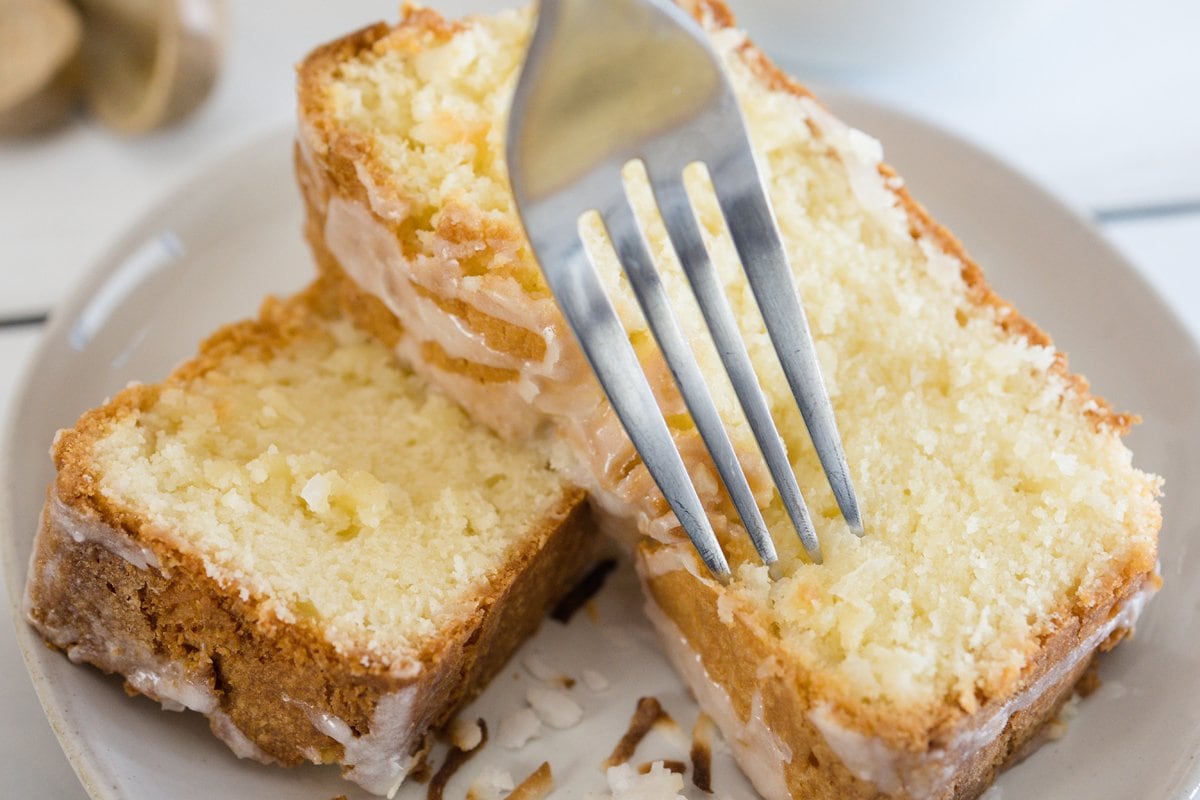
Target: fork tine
x,y
629,240
756,236
684,230
586,306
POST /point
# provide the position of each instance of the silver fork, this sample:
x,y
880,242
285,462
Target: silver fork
x,y
607,82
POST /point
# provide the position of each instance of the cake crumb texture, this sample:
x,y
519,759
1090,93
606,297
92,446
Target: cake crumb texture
x,y
324,479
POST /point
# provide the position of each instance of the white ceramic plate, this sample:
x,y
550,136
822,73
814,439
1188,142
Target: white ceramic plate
x,y
208,254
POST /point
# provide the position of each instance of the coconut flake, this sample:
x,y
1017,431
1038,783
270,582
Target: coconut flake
x,y
626,783
465,734
491,783
538,668
536,786
518,728
315,493
554,707
595,681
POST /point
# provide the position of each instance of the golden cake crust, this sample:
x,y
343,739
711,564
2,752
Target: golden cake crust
x,y
268,677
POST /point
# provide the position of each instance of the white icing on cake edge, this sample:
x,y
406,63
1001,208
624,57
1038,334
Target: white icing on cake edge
x,y
761,754
168,683
380,759
82,528
869,758
376,760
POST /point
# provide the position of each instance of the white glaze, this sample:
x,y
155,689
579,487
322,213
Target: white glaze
x,y
868,757
377,760
159,679
665,560
861,155
759,752
380,759
82,528
241,744
871,759
370,254
167,682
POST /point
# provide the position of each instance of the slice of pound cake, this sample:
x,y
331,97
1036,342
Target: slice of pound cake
x,y
297,538
1009,537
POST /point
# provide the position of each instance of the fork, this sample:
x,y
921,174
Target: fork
x,y
607,82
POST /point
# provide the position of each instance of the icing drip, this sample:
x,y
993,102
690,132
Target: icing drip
x,y
861,156
242,746
760,753
170,683
82,528
164,681
870,759
378,760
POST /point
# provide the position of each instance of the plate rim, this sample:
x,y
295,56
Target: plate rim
x,y
74,744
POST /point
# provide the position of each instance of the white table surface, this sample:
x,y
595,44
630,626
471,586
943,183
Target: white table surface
x,y
1099,103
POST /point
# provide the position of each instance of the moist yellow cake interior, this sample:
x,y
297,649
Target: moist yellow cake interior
x,y
994,504
333,484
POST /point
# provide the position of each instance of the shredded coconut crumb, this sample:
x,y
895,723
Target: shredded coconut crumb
x,y
491,783
518,728
537,785
554,707
538,668
595,681
725,608
316,494
1066,462
625,783
465,734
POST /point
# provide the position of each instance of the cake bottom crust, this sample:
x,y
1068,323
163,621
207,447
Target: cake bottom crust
x,y
784,735
276,692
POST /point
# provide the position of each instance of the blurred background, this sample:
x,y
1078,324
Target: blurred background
x,y
1095,100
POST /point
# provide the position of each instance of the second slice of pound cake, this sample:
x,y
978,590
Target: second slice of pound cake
x,y
1009,536
297,538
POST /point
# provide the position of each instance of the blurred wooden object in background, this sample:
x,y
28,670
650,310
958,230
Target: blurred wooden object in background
x,y
150,63
39,48
138,65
